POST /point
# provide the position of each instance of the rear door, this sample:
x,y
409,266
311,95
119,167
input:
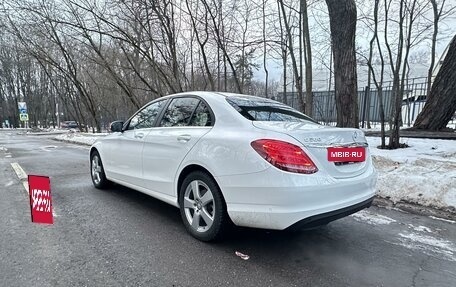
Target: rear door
x,y
184,122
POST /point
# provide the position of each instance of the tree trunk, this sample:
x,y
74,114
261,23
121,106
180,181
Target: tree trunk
x,y
307,59
265,66
342,17
441,103
284,54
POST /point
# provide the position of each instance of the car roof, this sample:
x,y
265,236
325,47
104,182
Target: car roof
x,y
218,94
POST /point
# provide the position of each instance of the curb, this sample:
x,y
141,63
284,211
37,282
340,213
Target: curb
x,y
449,213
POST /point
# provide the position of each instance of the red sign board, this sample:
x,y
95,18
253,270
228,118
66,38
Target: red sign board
x,y
346,154
40,199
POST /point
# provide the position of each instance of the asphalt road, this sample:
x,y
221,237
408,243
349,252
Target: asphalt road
x,y
120,237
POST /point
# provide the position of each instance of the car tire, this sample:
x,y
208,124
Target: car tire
x,y
202,207
97,173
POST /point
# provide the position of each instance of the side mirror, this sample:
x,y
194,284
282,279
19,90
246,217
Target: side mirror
x,y
116,126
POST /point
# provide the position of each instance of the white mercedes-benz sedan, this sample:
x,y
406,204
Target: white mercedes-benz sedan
x,y
229,158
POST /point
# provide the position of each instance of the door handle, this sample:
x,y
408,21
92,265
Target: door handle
x,y
184,138
139,135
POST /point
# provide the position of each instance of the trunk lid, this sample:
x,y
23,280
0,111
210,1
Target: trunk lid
x,y
318,138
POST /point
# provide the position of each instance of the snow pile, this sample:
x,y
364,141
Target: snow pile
x,y
79,138
424,173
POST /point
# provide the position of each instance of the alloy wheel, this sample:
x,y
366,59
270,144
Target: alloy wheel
x,y
96,169
199,206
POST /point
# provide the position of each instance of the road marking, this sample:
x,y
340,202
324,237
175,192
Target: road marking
x,y
19,171
26,186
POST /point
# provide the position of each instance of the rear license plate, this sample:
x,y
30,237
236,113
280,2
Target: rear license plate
x,y
346,154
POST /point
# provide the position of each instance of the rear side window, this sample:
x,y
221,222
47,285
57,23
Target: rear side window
x,y
261,109
201,117
179,112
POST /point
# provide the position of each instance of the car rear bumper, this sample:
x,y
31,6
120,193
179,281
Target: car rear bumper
x,y
324,218
274,199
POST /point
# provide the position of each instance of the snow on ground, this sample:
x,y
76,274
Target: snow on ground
x,y
424,173
373,219
423,238
429,244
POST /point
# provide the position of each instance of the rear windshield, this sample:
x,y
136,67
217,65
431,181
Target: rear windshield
x,y
261,109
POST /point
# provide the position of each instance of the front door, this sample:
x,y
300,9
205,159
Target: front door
x,y
125,149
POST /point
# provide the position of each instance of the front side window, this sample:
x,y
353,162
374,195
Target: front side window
x,y
146,117
179,112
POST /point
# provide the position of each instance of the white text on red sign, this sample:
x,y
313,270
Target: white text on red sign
x,y
41,200
346,154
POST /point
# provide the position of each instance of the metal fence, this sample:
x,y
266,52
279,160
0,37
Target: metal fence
x,y
324,105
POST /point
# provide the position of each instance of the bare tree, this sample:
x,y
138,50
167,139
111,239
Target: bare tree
x,y
378,82
409,12
343,29
438,12
294,63
202,39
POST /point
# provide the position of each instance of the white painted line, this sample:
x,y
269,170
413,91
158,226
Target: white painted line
x,y
26,186
19,171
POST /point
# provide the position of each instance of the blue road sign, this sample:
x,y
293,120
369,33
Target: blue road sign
x,y
22,107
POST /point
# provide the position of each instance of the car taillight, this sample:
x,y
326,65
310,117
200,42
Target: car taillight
x,y
284,156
